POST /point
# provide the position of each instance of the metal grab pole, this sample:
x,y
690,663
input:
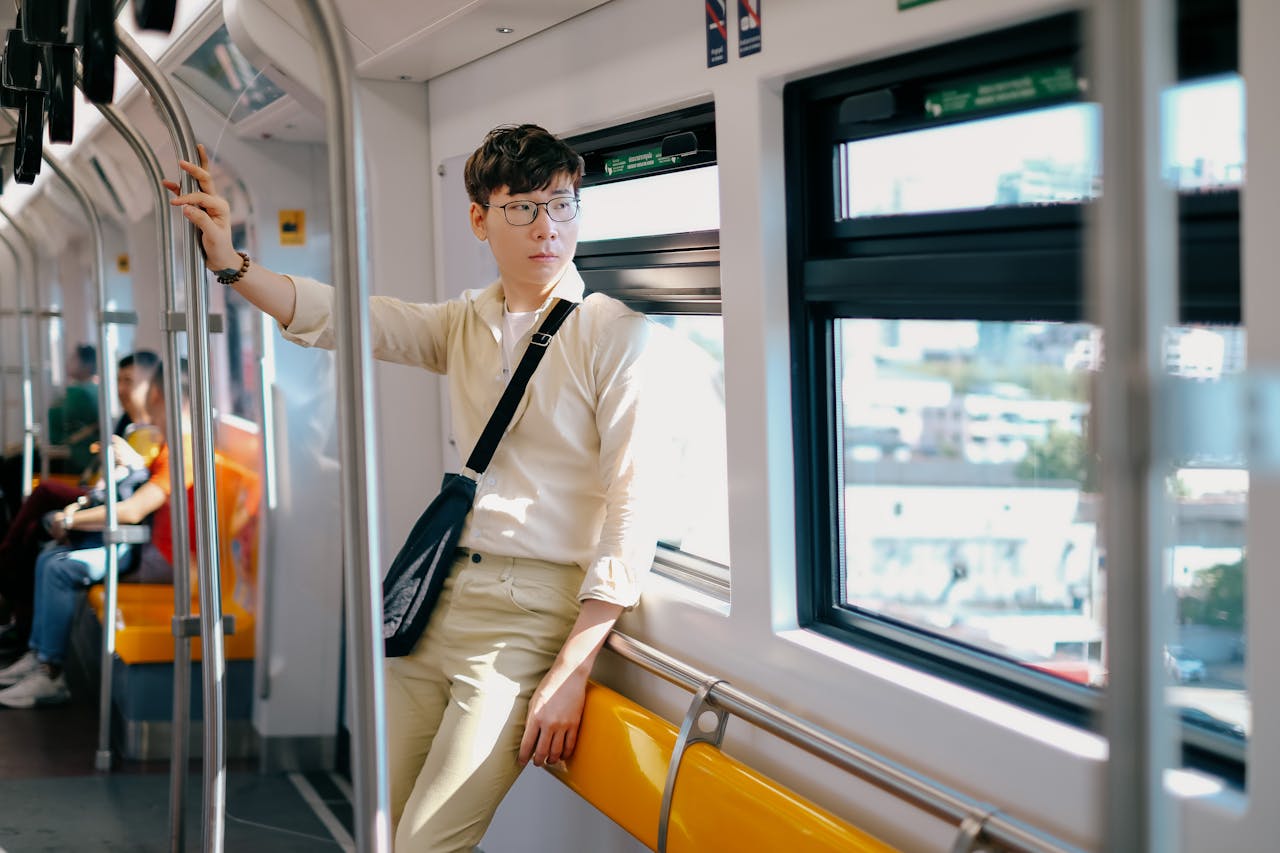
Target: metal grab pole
x,y
361,560
1133,289
17,319
213,667
181,716
106,393
25,315
925,794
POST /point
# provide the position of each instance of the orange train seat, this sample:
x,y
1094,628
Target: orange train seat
x,y
144,611
620,767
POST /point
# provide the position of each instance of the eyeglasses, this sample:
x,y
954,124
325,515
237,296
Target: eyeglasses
x,y
559,209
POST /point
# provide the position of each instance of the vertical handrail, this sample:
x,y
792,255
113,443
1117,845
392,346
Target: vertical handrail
x,y
40,381
25,314
359,491
181,716
106,394
1132,293
7,369
213,667
17,319
270,495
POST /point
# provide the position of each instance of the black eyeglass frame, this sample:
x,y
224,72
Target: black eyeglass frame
x,y
577,208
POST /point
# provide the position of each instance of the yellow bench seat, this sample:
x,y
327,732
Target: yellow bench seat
x,y
620,766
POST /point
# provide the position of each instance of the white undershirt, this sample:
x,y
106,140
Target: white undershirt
x,y
514,326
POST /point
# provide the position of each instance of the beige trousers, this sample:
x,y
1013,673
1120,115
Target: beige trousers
x,y
456,705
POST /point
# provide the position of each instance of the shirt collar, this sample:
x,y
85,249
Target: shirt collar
x,y
490,301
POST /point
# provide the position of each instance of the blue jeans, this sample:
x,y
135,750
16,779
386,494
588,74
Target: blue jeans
x,y
61,575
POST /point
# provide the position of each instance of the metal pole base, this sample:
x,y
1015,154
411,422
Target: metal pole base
x,y
102,760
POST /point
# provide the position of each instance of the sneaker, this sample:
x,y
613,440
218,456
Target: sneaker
x,y
19,669
36,689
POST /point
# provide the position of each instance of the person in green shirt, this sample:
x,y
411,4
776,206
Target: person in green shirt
x,y
73,420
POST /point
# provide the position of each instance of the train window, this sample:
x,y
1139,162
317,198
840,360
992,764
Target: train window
x,y
947,512
650,237
1204,139
671,203
1044,156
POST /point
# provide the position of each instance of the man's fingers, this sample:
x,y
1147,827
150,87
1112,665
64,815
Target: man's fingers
x,y
197,217
199,173
216,205
528,742
556,749
570,742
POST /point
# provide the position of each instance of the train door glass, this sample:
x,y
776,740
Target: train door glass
x,y
695,491
244,333
946,502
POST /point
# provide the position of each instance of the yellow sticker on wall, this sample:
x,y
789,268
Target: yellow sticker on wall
x,y
122,263
293,228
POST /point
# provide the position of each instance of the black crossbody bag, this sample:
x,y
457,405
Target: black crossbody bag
x,y
412,585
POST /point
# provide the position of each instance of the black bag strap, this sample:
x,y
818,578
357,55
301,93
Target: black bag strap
x,y
485,447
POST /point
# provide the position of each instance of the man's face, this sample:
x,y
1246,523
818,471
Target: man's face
x,y
77,370
529,256
132,387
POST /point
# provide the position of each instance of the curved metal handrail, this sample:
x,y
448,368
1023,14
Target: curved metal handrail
x,y
359,463
213,667
106,394
926,794
24,314
181,716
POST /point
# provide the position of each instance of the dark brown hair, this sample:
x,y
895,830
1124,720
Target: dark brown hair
x,y
521,158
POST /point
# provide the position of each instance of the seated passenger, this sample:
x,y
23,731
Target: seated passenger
x,y
73,422
64,571
20,545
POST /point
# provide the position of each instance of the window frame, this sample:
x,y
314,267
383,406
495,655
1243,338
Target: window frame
x,y
994,264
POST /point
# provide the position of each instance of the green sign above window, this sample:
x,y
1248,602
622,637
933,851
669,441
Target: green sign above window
x,y
1038,85
638,160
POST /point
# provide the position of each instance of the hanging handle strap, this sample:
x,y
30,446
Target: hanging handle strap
x,y
483,452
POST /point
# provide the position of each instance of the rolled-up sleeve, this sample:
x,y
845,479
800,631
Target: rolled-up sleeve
x,y
412,333
628,428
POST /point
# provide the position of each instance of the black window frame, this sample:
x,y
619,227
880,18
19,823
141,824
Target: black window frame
x,y
675,273
996,264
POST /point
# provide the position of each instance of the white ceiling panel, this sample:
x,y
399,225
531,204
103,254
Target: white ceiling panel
x,y
453,34
388,22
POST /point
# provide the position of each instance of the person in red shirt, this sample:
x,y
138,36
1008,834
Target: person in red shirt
x,y
36,678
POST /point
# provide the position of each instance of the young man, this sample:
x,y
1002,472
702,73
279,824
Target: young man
x,y
560,535
62,572
20,544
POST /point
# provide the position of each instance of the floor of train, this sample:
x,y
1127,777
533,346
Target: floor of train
x,y
51,799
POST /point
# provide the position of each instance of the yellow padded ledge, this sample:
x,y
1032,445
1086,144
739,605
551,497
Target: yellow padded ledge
x,y
620,767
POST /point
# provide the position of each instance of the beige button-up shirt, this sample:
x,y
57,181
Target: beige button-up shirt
x,y
571,481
